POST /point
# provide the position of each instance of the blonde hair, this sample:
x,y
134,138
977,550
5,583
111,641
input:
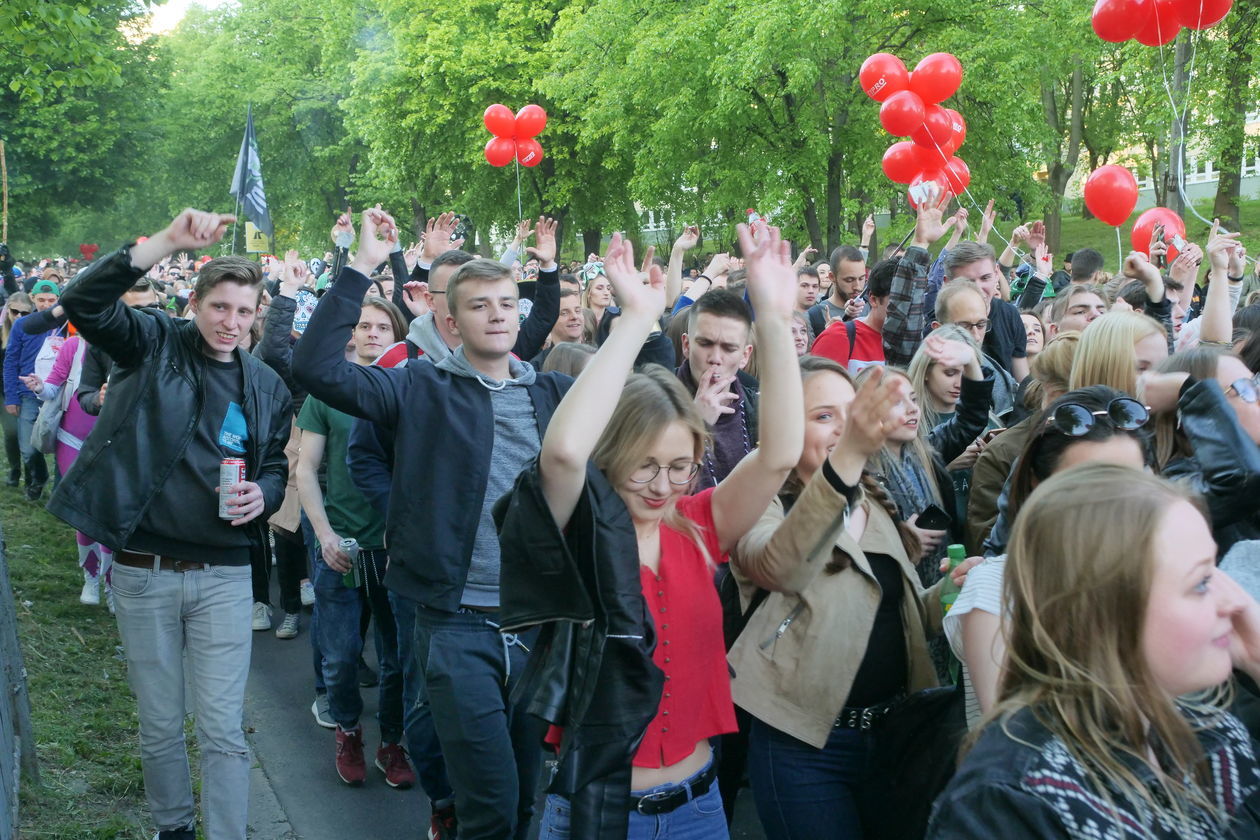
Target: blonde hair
x,y
1106,356
1051,370
1078,602
921,363
922,450
6,323
650,401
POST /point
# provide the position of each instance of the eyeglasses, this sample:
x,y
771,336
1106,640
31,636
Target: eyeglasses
x,y
972,326
679,475
18,313
1123,414
1246,389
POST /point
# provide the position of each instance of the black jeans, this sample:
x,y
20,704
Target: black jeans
x,y
492,749
291,568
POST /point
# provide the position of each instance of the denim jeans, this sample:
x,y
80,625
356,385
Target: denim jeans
x,y
340,609
205,614
11,448
422,739
36,463
804,793
313,559
703,818
492,748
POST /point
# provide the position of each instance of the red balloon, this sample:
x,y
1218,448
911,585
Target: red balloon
x,y
1140,239
935,130
1111,193
529,152
936,77
882,75
902,113
1162,25
500,150
957,127
499,120
933,176
957,175
902,162
1119,20
1200,14
530,121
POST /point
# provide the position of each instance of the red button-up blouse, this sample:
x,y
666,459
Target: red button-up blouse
x,y
683,602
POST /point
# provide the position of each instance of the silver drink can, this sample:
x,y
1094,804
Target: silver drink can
x,y
350,547
231,471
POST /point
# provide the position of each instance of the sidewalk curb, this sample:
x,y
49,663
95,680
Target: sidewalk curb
x,y
267,819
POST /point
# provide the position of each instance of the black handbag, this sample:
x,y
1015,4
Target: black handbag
x,y
915,756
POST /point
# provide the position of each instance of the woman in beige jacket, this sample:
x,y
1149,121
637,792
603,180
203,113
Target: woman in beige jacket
x,y
842,635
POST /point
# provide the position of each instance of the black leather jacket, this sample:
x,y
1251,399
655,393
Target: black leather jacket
x,y
151,411
591,671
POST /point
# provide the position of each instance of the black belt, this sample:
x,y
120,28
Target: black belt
x,y
666,801
166,564
864,718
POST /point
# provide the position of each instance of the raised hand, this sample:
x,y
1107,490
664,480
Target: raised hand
x,y
544,247
342,232
294,274
411,256
1037,233
437,236
1186,266
1220,247
1044,261
1238,261
416,297
1137,266
929,227
986,222
771,277
868,426
378,236
1021,233
195,229
868,229
719,265
689,238
639,293
948,352
524,229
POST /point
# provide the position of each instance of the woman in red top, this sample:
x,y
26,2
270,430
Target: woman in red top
x,y
643,432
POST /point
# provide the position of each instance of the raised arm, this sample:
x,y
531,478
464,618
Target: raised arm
x,y
903,327
276,349
689,239
319,360
1218,321
546,309
742,497
587,408
952,437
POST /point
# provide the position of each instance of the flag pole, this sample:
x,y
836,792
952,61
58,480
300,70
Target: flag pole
x,y
4,182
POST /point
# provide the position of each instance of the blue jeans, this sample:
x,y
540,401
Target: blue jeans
x,y
36,463
804,793
703,818
492,748
340,610
205,614
422,739
313,559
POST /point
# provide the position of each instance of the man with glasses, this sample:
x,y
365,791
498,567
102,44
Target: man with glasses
x,y
964,304
1005,339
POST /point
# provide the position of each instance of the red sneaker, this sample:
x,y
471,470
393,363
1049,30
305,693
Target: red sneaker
x,y
350,765
443,825
391,759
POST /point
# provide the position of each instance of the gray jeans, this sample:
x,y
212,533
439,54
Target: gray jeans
x,y
162,615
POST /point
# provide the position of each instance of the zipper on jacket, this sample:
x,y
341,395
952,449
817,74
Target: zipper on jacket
x,y
783,626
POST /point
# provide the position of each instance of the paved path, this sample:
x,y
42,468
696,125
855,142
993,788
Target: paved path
x,y
296,794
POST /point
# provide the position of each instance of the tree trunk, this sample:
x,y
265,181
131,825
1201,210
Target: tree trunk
x,y
1233,113
835,181
591,241
1061,170
1175,177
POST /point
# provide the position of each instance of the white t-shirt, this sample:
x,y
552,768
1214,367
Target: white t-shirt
x,y
981,591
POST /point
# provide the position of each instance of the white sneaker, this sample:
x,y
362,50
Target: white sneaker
x,y
288,628
91,594
109,601
308,594
262,616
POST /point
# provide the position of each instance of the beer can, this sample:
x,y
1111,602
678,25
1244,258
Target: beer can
x,y
231,471
350,547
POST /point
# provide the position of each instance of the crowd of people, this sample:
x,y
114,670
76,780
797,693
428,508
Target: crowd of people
x,y
936,542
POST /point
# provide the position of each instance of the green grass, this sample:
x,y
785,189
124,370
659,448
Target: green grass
x,y
82,710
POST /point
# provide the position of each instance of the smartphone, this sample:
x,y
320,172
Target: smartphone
x,y
991,434
461,228
1158,235
934,519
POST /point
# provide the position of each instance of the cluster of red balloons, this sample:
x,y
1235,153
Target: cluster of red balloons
x,y
89,250
514,135
1155,22
911,108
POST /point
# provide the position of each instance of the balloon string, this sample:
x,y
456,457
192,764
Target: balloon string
x,y
1018,253
520,213
1119,252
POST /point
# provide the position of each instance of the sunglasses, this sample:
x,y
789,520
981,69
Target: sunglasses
x,y
1246,389
1123,414
18,313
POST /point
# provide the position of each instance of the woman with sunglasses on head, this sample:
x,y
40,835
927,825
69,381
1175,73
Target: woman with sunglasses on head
x,y
838,619
1096,424
16,306
1116,349
1119,626
644,440
1207,428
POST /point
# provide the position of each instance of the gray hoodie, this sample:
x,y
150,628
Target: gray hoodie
x,y
516,443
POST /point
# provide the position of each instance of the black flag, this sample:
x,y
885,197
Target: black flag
x,y
247,182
